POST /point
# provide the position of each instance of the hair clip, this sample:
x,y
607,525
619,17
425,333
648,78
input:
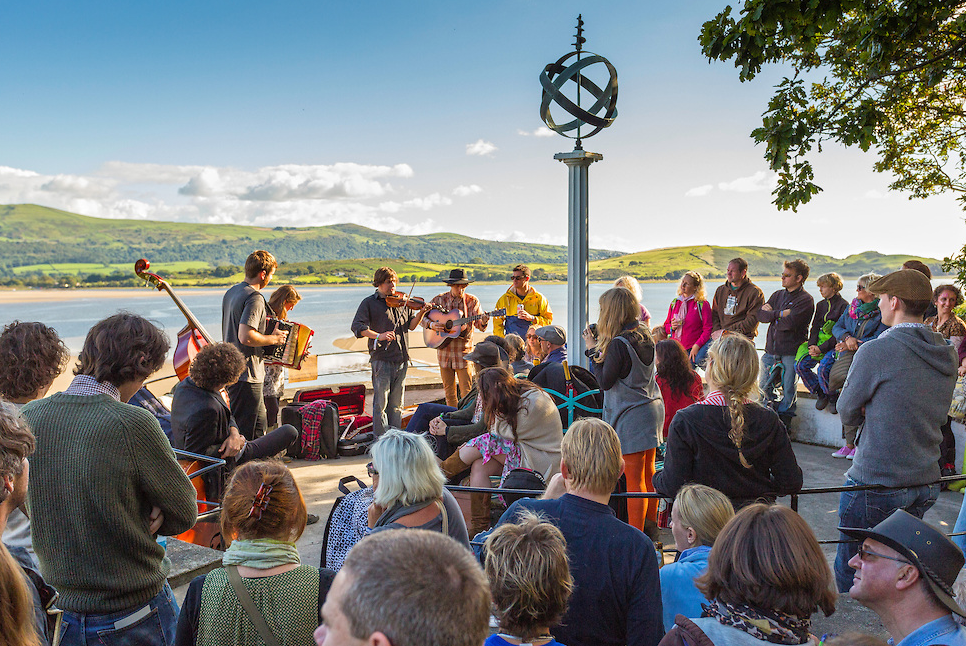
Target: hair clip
x,y
262,498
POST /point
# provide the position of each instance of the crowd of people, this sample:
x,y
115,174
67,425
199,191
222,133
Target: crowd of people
x,y
91,485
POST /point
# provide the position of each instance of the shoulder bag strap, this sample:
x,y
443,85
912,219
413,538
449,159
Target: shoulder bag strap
x,y
442,510
249,605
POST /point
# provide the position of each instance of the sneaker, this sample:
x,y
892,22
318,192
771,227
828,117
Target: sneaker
x,y
851,455
842,453
821,402
831,407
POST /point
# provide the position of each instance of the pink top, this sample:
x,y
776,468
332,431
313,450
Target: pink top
x,y
696,329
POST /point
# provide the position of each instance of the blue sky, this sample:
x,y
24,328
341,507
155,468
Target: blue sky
x,y
412,118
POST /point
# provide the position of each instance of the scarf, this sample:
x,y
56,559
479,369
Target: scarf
x,y
260,553
774,627
861,311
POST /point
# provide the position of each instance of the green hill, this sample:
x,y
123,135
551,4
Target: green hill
x,y
39,243
34,235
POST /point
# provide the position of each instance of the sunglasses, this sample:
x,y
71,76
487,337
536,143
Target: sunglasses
x,y
371,470
516,278
864,554
860,288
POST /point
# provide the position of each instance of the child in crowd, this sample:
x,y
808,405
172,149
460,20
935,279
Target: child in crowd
x,y
530,582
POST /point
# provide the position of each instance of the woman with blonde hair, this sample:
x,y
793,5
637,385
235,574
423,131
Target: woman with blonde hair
x,y
622,359
530,582
16,604
689,316
409,492
280,303
263,514
630,283
727,440
698,515
767,576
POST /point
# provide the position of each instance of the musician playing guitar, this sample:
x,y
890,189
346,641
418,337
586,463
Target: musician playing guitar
x,y
452,365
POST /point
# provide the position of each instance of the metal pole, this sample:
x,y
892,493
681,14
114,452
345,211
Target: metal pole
x,y
577,163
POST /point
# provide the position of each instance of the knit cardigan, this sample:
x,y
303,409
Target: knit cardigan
x,y
99,468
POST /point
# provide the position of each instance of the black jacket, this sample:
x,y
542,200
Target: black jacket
x,y
200,420
787,333
699,450
828,309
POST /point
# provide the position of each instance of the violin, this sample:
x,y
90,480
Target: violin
x,y
190,339
400,299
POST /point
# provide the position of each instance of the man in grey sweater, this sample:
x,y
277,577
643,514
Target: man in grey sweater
x,y
898,390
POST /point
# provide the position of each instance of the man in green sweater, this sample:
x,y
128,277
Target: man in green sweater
x,y
104,483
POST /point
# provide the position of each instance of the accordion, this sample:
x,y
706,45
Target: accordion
x,y
291,353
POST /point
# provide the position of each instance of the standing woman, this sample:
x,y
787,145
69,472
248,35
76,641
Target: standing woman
x,y
945,298
623,361
689,315
680,385
282,300
630,283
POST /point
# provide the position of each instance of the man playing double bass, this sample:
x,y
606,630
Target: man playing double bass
x,y
452,365
386,328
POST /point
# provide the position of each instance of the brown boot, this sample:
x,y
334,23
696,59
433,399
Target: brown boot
x,y
453,466
479,513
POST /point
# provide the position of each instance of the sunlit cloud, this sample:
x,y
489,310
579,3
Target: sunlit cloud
x,y
542,131
480,147
699,191
760,181
464,191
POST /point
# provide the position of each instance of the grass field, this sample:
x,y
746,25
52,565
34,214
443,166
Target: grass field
x,y
78,268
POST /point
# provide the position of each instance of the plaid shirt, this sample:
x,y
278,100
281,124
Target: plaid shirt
x,y
88,386
451,356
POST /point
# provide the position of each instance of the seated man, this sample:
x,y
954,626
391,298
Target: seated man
x,y
407,588
104,483
617,590
553,343
904,572
202,422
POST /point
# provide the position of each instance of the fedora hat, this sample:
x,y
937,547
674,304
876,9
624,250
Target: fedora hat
x,y
936,557
457,277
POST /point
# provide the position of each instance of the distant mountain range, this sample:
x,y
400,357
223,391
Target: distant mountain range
x,y
32,235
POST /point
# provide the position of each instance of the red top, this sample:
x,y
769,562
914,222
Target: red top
x,y
673,402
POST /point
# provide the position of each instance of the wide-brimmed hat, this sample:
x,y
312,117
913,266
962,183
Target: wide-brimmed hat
x,y
457,277
905,283
936,557
488,355
552,333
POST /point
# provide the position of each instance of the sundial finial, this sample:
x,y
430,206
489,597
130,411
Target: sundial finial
x,y
580,33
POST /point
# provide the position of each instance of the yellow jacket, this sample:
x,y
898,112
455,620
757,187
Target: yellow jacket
x,y
534,304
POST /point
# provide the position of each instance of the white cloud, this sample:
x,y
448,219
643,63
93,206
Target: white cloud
x,y
699,191
284,195
464,191
760,181
480,147
873,194
542,131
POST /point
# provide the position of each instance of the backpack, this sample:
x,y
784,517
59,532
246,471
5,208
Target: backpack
x,y
348,522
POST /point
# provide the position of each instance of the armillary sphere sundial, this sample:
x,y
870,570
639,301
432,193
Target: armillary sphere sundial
x,y
554,79
556,75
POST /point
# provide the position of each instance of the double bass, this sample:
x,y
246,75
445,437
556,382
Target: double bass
x,y
193,337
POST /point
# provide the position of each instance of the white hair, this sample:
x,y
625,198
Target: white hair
x,y
408,470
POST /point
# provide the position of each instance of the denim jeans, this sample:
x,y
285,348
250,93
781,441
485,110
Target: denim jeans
x,y
152,624
789,377
248,408
806,370
960,527
702,355
388,388
825,371
867,509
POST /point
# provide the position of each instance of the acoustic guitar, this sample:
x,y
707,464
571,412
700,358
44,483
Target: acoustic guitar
x,y
454,326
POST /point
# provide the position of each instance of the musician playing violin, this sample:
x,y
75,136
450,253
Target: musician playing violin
x,y
452,365
384,318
